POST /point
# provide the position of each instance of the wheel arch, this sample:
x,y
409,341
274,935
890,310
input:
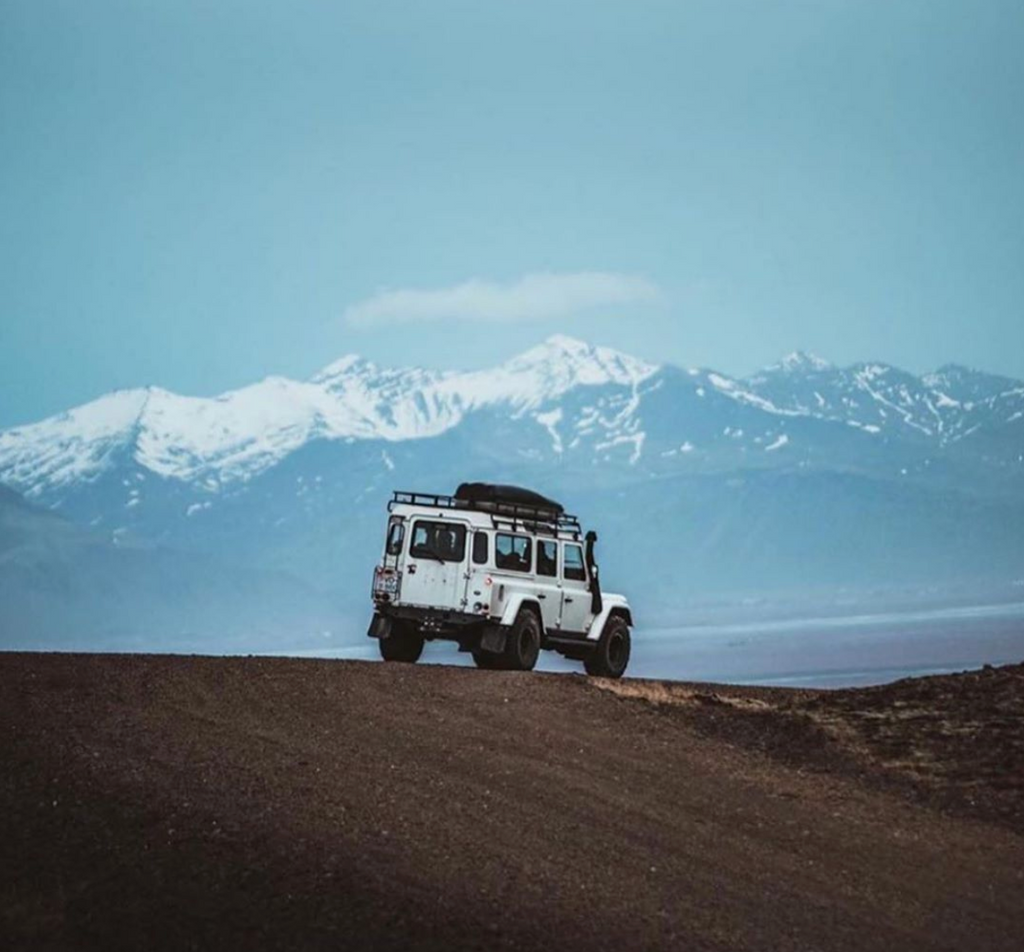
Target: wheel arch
x,y
517,603
616,609
623,612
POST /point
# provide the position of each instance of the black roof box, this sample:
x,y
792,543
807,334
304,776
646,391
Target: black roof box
x,y
492,494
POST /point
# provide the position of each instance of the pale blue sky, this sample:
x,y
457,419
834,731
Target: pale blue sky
x,y
196,194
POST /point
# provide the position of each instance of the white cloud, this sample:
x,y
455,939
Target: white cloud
x,y
532,297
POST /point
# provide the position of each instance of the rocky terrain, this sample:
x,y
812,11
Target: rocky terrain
x,y
184,802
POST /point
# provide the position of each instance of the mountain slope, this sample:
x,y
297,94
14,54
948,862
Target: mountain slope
x,y
64,586
805,476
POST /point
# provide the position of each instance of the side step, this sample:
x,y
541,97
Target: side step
x,y
576,647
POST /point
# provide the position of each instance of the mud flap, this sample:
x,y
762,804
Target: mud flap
x,y
380,626
492,639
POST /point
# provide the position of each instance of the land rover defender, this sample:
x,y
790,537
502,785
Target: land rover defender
x,y
502,571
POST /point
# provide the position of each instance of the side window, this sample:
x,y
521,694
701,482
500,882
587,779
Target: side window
x,y
573,567
396,533
512,552
438,540
547,557
480,548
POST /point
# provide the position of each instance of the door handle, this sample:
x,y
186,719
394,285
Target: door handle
x,y
412,569
541,595
567,598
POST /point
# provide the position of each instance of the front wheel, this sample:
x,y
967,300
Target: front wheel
x,y
404,643
611,655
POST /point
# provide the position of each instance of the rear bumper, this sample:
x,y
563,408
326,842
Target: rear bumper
x,y
431,622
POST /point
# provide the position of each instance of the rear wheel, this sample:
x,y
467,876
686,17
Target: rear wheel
x,y
522,643
404,643
611,655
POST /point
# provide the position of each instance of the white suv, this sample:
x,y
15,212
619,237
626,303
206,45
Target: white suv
x,y
501,570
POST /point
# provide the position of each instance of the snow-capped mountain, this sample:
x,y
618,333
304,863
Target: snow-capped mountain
x,y
239,434
944,407
592,405
803,474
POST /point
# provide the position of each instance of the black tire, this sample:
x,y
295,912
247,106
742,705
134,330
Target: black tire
x,y
487,660
522,643
404,644
611,655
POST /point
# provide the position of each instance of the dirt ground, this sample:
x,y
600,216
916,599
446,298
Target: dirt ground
x,y
197,803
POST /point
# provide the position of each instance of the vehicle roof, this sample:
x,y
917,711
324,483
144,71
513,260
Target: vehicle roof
x,y
507,518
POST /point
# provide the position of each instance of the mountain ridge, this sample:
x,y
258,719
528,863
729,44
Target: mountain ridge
x,y
238,434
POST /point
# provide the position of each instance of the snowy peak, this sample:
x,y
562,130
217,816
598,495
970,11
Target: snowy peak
x,y
966,385
799,361
72,445
343,367
563,361
540,376
566,362
947,406
342,373
541,373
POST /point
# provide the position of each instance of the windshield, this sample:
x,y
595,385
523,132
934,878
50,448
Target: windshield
x,y
438,540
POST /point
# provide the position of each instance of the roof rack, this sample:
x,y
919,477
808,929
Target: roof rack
x,y
504,515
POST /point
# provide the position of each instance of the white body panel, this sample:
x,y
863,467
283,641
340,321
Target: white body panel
x,y
492,580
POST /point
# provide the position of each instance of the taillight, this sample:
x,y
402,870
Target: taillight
x,y
386,582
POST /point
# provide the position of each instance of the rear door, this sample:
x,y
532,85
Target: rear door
x,y
435,566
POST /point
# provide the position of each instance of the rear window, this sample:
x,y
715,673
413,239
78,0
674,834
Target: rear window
x,y
512,552
480,548
438,540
